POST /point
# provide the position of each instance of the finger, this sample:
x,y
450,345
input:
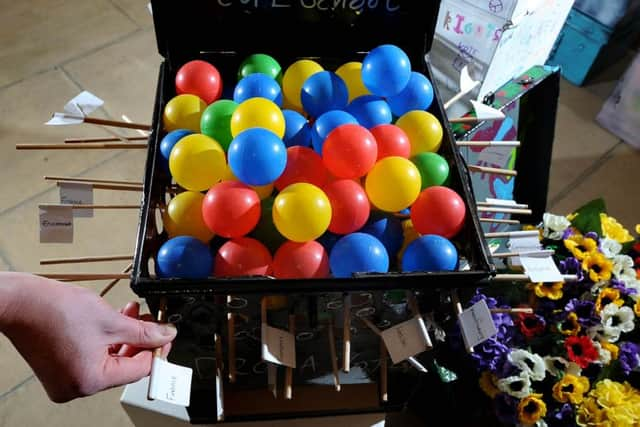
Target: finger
x,y
139,333
165,350
132,309
126,370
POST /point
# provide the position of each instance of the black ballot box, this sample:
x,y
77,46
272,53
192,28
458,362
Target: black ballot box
x,y
223,33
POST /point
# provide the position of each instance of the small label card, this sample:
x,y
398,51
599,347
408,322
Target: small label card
x,y
405,340
477,324
522,244
56,224
501,202
72,193
541,268
278,346
170,383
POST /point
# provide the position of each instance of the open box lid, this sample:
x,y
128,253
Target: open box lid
x,y
292,28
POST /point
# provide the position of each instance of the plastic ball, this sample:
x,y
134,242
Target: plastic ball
x,y
169,140
231,209
243,256
349,151
391,140
438,210
303,165
358,253
417,95
393,184
307,260
257,113
200,78
386,70
322,92
258,85
266,232
197,162
423,129
327,122
183,217
216,121
351,73
301,212
370,110
294,77
263,191
430,253
260,63
387,228
184,257
350,206
434,169
297,129
183,112
257,156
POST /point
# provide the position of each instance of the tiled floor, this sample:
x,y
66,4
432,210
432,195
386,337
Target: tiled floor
x,y
51,50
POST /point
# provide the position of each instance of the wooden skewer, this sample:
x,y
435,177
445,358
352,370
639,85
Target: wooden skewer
x,y
104,139
219,376
497,171
346,333
500,221
384,396
488,143
514,254
504,210
81,277
161,317
458,308
96,206
469,120
527,310
415,312
116,123
91,180
83,146
141,132
85,259
272,369
288,374
523,233
136,188
115,281
525,278
231,351
334,357
504,205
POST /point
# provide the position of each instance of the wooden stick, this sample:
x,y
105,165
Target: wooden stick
x,y
524,278
346,333
95,206
288,374
219,378
504,205
384,396
527,310
90,180
504,210
514,254
500,221
334,356
523,233
116,123
458,309
497,171
104,139
371,326
82,146
115,281
74,260
415,312
136,188
272,369
141,132
81,277
468,120
488,143
161,317
231,351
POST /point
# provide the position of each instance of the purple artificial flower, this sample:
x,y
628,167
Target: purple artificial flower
x,y
567,233
587,316
490,355
571,265
491,302
620,286
563,416
629,356
592,235
506,408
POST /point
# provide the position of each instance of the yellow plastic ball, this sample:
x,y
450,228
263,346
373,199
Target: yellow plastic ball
x,y
294,77
423,130
183,217
351,73
301,212
263,191
183,112
409,234
393,184
257,113
197,162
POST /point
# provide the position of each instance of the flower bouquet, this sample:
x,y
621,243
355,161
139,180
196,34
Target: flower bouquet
x,y
574,358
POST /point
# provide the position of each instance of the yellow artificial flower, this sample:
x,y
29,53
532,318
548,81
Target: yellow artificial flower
x,y
636,307
606,296
487,383
531,409
612,229
598,266
580,247
637,228
570,326
571,389
611,347
572,216
590,414
553,291
609,393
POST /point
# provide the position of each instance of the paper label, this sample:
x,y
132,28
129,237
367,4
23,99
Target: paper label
x,y
524,243
170,383
56,224
404,340
61,119
500,202
278,346
541,268
83,104
477,324
72,193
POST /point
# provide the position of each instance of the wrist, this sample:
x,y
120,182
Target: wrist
x,y
12,287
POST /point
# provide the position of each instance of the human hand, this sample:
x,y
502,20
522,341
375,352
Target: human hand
x,y
75,342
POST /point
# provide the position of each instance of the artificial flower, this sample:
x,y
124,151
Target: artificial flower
x,y
570,325
531,409
517,385
636,307
553,226
629,357
581,350
607,296
529,363
610,247
611,348
580,246
623,267
616,320
553,291
604,355
590,414
570,389
555,365
598,267
531,324
584,310
488,384
612,229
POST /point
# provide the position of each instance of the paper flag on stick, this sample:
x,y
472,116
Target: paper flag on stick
x,y
76,109
486,112
467,84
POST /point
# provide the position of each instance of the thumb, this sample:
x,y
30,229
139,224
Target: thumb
x,y
126,370
142,334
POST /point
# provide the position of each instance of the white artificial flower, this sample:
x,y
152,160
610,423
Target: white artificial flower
x,y
610,247
539,423
531,364
573,369
517,386
623,268
556,365
633,284
616,320
554,226
604,355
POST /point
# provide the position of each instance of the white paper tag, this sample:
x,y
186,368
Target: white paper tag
x,y
77,193
83,104
500,202
404,340
541,268
522,244
56,224
61,119
170,383
477,324
278,346
486,112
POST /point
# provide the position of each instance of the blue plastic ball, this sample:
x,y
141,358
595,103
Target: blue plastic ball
x,y
172,139
297,129
326,123
387,228
417,95
358,253
370,111
322,92
257,156
386,70
258,85
184,257
430,253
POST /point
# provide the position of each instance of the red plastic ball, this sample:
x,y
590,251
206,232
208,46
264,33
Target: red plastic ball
x,y
438,210
350,206
231,209
303,165
243,256
349,151
199,78
307,260
392,141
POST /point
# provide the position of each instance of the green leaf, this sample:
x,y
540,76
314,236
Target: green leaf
x,y
588,217
446,375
